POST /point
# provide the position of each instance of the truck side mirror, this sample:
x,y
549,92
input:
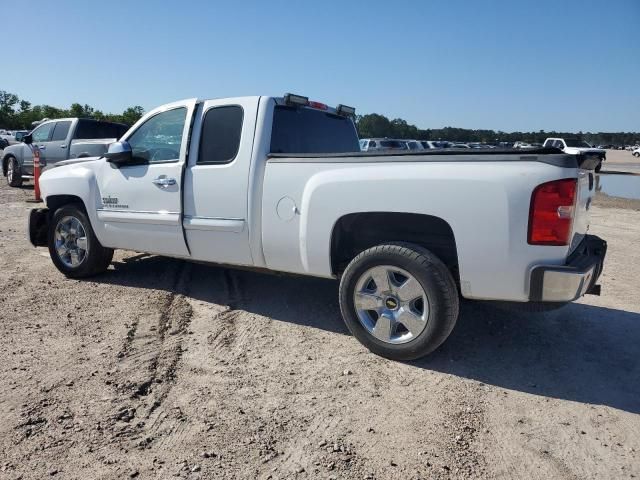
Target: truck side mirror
x,y
28,139
119,153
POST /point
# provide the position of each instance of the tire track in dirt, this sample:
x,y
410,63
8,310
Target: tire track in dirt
x,y
149,359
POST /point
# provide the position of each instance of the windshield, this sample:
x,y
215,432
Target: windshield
x,y
305,130
577,144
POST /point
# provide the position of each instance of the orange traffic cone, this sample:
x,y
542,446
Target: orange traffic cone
x,y
36,174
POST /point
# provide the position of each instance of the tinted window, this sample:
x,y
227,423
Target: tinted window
x,y
160,137
60,131
43,132
372,144
577,143
221,131
304,130
89,129
393,144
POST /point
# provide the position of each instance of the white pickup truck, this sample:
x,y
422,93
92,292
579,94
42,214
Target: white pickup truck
x,y
279,183
576,147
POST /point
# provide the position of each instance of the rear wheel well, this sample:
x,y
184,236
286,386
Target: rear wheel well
x,y
357,232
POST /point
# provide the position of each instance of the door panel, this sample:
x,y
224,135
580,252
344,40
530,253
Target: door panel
x,y
41,136
216,181
140,205
58,146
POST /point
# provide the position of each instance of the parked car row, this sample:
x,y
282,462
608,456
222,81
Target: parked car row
x,y
57,140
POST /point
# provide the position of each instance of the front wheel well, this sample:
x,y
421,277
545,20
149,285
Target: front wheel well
x,y
54,202
5,163
356,232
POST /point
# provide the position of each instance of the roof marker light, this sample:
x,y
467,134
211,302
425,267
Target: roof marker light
x,y
345,110
293,99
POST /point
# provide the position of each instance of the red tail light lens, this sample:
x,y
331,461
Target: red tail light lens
x,y
551,213
318,105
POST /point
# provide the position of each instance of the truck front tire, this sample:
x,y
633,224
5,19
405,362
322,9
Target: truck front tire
x,y
14,174
399,300
74,248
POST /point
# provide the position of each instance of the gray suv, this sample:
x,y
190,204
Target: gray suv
x,y
58,140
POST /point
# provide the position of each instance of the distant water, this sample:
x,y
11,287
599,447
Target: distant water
x,y
624,186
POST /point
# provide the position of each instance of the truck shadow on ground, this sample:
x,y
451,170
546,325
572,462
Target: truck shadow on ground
x,y
581,353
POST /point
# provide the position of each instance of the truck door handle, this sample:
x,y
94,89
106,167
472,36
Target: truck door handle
x,y
164,182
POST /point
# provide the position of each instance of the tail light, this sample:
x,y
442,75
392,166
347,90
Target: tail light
x,y
318,105
551,213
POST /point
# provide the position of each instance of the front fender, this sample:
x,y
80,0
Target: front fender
x,y
11,151
77,180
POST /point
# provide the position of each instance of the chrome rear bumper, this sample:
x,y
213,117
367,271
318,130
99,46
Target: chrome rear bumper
x,y
576,278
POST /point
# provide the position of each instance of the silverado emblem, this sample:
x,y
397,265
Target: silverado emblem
x,y
112,202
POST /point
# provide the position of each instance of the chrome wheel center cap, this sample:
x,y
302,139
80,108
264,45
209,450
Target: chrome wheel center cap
x,y
391,303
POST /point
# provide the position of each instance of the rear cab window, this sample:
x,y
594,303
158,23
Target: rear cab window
x,y
306,130
91,129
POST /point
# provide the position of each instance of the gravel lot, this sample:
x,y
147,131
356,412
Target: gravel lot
x,y
162,369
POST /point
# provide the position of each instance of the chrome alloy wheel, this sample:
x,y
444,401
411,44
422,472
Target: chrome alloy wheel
x,y
391,304
71,242
10,171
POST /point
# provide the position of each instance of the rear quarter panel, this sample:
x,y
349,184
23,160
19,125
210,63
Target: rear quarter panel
x,y
485,203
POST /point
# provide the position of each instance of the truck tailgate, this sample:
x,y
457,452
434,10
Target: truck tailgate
x,y
584,197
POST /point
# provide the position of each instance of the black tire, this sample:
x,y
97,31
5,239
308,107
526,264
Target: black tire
x,y
434,278
97,257
14,174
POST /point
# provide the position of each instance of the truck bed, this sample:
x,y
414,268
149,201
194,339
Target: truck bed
x,y
551,156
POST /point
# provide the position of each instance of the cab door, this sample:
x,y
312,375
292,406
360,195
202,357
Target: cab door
x,y
139,205
41,136
217,179
58,145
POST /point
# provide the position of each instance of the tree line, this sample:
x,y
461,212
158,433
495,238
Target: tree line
x,y
375,126
16,114
20,114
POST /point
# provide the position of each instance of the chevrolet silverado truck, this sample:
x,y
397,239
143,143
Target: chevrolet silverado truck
x,y
280,184
58,140
576,147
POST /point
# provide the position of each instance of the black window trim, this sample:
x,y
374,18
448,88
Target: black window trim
x,y
204,116
135,164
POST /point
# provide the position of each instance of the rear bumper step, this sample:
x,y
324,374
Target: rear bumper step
x,y
576,278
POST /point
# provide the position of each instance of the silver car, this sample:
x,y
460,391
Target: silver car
x,y
382,145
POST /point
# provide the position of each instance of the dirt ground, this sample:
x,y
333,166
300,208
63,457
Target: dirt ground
x,y
161,369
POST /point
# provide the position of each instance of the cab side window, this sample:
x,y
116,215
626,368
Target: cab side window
x,y
159,139
221,133
43,132
60,131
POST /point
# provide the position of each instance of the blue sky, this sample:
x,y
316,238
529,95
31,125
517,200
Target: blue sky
x,y
507,65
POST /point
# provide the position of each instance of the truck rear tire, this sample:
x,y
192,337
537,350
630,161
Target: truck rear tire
x,y
14,174
74,248
399,300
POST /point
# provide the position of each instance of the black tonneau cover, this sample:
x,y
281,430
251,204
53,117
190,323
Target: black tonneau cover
x,y
551,156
